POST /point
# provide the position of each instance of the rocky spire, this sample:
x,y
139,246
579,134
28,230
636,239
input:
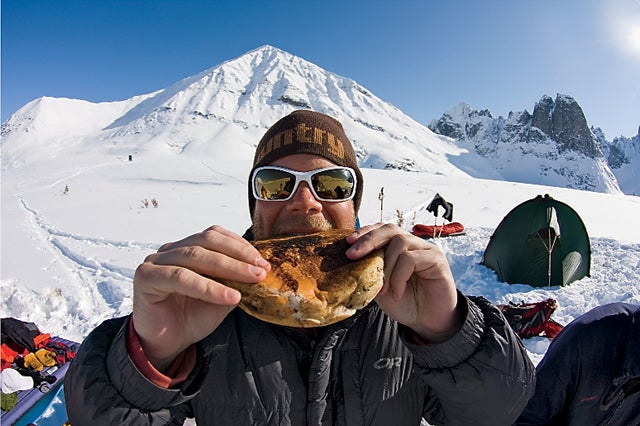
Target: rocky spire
x,y
564,122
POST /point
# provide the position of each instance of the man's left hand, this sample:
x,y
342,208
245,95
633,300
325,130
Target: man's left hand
x,y
419,290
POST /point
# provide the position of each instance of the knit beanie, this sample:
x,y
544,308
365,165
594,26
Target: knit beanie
x,y
307,132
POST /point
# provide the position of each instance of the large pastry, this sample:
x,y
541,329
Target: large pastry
x,y
311,283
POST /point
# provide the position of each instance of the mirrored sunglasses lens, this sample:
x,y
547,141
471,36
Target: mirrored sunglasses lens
x,y
335,184
273,184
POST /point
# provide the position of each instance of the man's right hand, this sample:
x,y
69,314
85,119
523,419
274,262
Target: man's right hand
x,y
176,299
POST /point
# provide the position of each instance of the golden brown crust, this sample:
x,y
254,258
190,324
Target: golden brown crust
x,y
311,283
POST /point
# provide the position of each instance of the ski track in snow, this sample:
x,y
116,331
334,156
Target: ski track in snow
x,y
48,229
107,285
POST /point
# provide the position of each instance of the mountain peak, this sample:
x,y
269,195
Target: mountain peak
x,y
564,122
555,141
223,111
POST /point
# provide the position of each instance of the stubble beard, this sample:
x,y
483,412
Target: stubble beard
x,y
286,227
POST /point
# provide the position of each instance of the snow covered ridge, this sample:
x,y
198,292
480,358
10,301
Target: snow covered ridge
x,y
233,103
553,146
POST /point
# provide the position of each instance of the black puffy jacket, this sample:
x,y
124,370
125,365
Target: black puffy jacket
x,y
361,371
591,373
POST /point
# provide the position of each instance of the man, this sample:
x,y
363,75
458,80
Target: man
x,y
591,373
421,350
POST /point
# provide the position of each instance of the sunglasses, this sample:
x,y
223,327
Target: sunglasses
x,y
333,184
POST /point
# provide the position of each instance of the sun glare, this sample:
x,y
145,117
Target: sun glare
x,y
634,39
623,22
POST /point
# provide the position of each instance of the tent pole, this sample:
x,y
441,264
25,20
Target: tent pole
x,y
552,244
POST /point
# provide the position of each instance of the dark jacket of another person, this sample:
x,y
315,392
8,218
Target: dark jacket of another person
x,y
591,373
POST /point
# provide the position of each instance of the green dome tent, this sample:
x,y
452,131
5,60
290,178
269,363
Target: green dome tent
x,y
541,242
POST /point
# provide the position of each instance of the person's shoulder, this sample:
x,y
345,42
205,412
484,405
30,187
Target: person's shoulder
x,y
609,321
616,311
101,337
108,328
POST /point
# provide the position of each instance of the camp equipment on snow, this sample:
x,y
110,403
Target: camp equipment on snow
x,y
438,202
13,381
541,242
433,231
40,359
19,333
532,319
33,365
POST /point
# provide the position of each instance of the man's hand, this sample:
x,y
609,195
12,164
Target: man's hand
x,y
419,290
178,302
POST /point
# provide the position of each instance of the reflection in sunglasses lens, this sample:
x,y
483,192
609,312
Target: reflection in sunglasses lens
x,y
333,184
274,184
328,185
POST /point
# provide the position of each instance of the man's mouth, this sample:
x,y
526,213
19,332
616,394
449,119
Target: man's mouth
x,y
302,226
305,231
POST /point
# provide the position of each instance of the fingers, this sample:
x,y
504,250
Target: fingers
x,y
215,238
190,267
370,238
158,282
419,290
406,257
232,264
217,253
427,265
209,234
177,299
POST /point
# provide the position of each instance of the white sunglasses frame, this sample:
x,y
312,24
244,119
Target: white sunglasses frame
x,y
303,177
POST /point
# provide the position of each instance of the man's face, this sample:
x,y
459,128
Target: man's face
x,y
302,214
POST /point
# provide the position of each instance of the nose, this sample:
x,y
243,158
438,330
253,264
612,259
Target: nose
x,y
304,201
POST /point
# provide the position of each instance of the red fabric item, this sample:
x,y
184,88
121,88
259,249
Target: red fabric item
x,y
177,372
62,351
41,340
552,328
416,339
8,356
532,319
431,231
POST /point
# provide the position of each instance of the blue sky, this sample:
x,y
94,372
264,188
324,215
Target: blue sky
x,y
422,56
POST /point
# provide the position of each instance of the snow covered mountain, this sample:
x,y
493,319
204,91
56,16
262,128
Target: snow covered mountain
x,y
623,156
553,146
230,106
233,103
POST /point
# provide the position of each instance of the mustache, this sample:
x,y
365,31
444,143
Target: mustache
x,y
318,223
